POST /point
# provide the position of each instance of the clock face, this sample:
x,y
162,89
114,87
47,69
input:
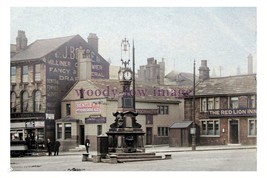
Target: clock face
x,y
127,75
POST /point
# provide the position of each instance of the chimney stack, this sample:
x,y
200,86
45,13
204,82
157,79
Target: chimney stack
x,y
250,64
21,41
204,71
93,41
84,66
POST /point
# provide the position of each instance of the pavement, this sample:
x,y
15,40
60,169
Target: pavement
x,y
166,149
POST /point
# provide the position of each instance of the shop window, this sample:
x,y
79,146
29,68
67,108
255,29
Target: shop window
x,y
24,101
59,131
13,101
163,131
67,131
252,127
13,74
163,110
25,74
210,127
37,72
37,102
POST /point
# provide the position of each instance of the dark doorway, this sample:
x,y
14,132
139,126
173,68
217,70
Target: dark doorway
x,y
234,132
149,136
81,134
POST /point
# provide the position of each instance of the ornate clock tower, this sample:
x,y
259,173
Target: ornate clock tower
x,y
125,134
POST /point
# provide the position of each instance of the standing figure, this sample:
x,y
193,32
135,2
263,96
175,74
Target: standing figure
x,y
56,148
87,144
49,145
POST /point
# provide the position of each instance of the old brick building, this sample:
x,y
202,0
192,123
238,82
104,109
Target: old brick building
x,y
225,111
41,74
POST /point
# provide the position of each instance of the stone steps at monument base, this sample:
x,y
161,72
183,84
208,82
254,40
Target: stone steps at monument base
x,y
133,154
139,159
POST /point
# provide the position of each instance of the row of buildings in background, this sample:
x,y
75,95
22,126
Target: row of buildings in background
x,y
58,93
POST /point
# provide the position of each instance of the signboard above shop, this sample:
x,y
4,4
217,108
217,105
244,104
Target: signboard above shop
x,y
95,120
232,112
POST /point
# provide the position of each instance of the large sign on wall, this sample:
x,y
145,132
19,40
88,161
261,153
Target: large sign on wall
x,y
232,112
87,106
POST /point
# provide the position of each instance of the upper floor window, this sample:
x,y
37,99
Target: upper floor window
x,y
68,109
162,110
234,104
210,103
25,71
203,104
37,72
252,101
13,74
13,101
24,101
37,103
217,103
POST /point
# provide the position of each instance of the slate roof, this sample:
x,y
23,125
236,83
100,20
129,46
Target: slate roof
x,y
40,48
181,124
240,84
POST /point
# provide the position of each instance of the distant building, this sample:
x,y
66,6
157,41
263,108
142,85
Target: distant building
x,y
41,74
152,73
179,79
225,111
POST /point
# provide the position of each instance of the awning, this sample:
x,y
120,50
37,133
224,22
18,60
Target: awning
x,y
181,124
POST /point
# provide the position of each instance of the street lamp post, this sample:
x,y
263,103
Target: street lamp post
x,y
193,113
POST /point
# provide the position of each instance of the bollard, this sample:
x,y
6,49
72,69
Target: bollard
x,y
168,156
85,157
113,159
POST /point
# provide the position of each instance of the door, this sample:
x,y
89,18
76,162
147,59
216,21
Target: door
x,y
149,136
234,132
81,134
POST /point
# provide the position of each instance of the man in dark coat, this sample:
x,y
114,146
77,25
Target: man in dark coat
x,y
56,148
49,145
87,144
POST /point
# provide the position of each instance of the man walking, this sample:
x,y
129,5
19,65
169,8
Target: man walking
x,y
87,144
56,148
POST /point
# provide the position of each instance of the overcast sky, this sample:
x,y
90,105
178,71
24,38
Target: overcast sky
x,y
224,36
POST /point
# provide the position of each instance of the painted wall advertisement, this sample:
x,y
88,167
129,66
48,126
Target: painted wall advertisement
x,y
87,106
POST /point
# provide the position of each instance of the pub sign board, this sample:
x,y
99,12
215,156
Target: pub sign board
x,y
232,112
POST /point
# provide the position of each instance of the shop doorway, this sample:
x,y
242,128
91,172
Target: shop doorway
x,y
149,136
233,132
81,134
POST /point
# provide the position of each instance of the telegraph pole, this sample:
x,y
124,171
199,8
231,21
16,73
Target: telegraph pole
x,y
193,113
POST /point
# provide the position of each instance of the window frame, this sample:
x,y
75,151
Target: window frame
x,y
255,127
37,74
67,133
206,132
25,74
35,102
163,109
13,75
163,132
59,130
24,102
